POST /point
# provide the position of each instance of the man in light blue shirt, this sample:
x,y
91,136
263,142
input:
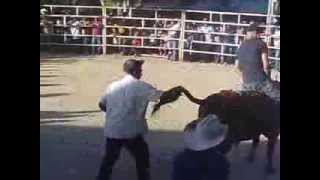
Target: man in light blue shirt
x,y
125,102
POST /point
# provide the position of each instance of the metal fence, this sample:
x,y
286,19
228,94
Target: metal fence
x,y
179,34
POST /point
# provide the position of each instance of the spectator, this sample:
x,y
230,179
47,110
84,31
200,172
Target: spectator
x,y
153,39
47,30
205,30
163,43
136,42
75,29
159,23
217,49
59,30
206,36
172,34
205,154
230,48
188,45
85,33
97,27
240,35
43,11
122,31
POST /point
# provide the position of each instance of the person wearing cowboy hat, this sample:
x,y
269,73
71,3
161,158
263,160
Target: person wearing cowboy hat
x,y
253,64
204,156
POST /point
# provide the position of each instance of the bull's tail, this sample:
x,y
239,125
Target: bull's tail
x,y
192,98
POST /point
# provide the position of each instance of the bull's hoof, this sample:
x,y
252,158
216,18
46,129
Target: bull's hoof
x,y
270,170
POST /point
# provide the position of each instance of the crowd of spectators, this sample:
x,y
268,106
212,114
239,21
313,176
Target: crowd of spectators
x,y
159,36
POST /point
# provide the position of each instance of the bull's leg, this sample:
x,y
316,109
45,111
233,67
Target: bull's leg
x,y
235,149
271,145
252,153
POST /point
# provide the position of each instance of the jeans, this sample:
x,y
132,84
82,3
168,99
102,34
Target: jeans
x,y
201,165
94,41
137,147
266,87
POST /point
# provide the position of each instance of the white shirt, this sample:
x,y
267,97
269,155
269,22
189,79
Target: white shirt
x,y
206,30
172,32
277,39
75,29
126,101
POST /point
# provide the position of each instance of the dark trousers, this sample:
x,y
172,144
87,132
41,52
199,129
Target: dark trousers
x,y
200,165
137,147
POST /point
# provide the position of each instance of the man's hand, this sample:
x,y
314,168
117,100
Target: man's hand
x,y
102,106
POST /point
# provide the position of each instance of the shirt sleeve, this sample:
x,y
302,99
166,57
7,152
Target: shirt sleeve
x,y
150,92
104,97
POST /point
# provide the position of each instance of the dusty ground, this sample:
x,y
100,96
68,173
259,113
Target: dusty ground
x,y
71,134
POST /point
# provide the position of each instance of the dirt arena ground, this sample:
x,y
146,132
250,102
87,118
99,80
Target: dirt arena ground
x,y
71,126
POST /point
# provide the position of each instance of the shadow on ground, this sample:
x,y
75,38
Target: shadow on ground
x,y
48,76
54,94
45,115
48,85
75,152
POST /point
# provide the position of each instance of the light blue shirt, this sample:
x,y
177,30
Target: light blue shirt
x,y
126,101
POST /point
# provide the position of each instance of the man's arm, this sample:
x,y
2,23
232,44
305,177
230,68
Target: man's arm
x,y
103,103
102,106
265,61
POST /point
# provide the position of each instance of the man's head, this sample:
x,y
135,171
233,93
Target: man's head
x,y
133,67
252,31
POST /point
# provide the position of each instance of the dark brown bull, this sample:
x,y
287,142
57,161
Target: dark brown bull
x,y
248,115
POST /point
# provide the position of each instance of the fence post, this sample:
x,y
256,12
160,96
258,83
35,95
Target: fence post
x,y
77,11
239,22
181,41
64,27
268,21
156,17
130,12
142,25
104,30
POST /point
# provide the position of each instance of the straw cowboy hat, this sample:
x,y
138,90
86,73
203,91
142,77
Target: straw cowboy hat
x,y
204,133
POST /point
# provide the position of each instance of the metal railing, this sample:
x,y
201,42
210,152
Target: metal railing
x,y
59,34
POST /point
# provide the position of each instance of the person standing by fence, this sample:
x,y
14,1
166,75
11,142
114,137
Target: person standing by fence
x,y
172,44
97,27
85,33
254,65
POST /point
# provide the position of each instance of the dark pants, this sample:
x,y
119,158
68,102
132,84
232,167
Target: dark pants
x,y
137,147
200,165
210,164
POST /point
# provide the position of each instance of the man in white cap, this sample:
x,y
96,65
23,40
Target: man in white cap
x,y
125,103
204,156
